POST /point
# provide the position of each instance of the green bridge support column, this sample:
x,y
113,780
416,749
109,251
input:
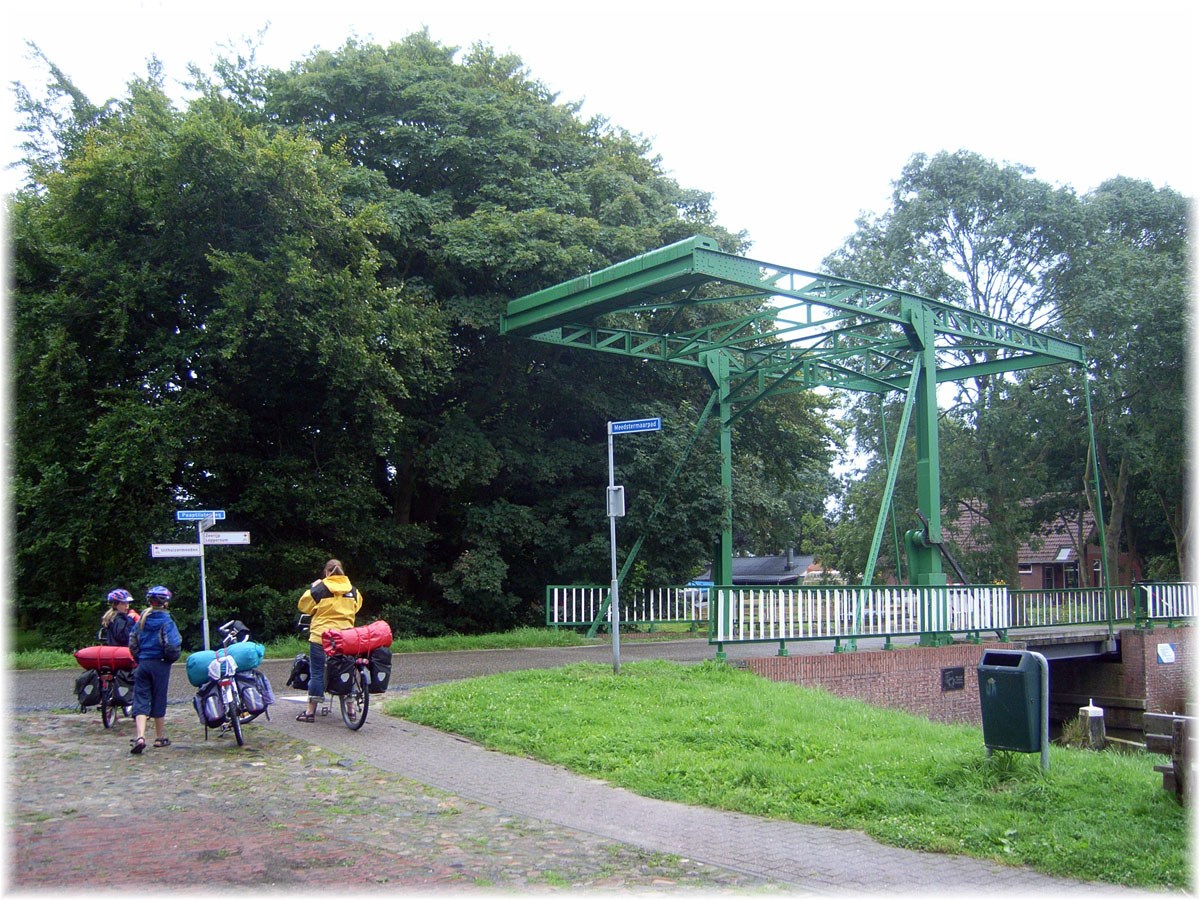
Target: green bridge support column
x,y
722,570
924,560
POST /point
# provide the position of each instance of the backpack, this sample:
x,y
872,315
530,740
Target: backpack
x,y
170,652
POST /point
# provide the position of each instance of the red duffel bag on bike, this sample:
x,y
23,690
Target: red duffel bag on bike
x,y
114,658
357,641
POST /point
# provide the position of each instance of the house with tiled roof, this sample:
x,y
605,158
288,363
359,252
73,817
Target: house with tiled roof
x,y
1056,556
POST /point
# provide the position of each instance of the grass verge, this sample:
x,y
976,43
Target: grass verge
x,y
716,736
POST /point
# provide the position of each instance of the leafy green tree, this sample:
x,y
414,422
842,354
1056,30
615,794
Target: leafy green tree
x,y
499,191
1107,271
992,239
283,301
1124,296
201,324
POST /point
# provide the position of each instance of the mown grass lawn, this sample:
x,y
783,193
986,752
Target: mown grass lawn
x,y
721,737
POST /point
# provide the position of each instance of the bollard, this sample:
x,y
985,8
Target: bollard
x,y
1092,718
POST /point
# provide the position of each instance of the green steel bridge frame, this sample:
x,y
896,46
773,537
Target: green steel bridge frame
x,y
800,331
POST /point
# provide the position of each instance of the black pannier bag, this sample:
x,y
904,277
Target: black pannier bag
x,y
339,674
123,687
209,705
380,669
87,689
299,676
249,685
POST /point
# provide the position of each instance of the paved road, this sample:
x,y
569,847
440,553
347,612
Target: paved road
x,y
814,860
34,690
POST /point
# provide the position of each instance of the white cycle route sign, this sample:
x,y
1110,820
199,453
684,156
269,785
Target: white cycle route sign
x,y
204,519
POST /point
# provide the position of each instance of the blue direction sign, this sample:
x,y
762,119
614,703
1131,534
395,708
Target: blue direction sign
x,y
198,515
631,425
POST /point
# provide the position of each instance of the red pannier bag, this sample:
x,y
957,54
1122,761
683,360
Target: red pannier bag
x,y
112,657
357,641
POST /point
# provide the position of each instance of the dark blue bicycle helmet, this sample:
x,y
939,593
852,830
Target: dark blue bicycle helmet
x,y
158,595
120,595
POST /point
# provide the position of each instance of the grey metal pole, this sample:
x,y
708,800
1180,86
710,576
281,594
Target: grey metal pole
x,y
614,606
201,527
1044,713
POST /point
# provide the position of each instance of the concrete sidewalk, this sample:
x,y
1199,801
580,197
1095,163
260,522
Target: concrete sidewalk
x,y
815,860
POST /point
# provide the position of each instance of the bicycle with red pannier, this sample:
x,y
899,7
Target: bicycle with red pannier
x,y
358,664
106,683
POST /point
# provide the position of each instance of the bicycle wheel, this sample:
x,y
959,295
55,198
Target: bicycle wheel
x,y
235,719
108,713
354,704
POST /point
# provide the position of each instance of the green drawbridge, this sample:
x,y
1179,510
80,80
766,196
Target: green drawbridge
x,y
798,331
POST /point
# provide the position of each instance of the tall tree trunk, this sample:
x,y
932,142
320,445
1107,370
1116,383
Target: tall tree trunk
x,y
1117,488
1178,521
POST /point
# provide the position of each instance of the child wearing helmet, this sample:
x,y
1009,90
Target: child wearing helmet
x,y
117,620
152,677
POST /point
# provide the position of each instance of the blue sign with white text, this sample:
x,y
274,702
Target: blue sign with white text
x,y
198,515
631,425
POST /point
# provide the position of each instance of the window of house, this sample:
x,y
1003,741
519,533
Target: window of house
x,y
1072,574
1025,568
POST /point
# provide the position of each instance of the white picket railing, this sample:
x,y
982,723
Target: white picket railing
x,y
1068,606
1169,601
835,611
807,613
576,605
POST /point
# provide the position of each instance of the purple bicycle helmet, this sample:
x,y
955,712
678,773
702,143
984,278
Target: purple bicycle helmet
x,y
120,595
159,594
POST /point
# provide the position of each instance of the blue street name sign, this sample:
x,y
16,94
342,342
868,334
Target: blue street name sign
x,y
198,515
631,425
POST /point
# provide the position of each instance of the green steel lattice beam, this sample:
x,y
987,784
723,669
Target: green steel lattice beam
x,y
791,329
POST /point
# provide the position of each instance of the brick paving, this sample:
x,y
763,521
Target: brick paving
x,y
805,858
400,805
283,812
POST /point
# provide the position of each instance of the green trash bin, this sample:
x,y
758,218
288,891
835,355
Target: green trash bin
x,y
1010,700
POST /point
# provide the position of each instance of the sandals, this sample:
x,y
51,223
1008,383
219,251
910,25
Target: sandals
x,y
162,742
139,744
306,717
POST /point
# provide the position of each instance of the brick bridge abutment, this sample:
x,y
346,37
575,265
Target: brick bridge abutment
x,y
1151,671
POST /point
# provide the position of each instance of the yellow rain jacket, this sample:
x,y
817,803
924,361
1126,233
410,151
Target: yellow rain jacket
x,y
333,603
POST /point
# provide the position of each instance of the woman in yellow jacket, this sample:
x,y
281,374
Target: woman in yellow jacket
x,y
333,602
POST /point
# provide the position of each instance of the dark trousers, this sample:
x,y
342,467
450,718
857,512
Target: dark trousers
x,y
316,671
151,679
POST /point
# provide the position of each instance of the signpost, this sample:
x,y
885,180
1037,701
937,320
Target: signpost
x,y
616,507
204,519
173,550
226,537
198,515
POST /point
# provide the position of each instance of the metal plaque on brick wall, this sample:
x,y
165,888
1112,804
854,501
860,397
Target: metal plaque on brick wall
x,y
954,678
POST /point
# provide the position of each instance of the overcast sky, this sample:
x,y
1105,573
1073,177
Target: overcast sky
x,y
796,115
